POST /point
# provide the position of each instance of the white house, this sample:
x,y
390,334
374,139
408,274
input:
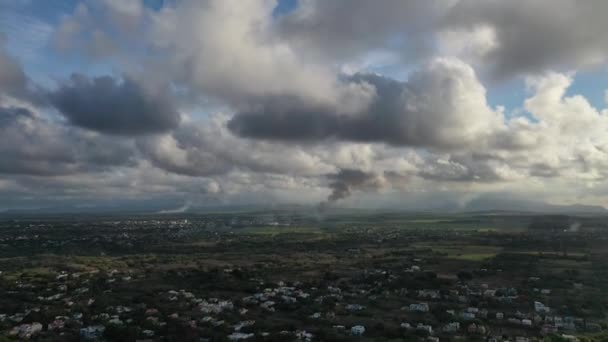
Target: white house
x,y
357,330
423,327
541,308
420,307
451,327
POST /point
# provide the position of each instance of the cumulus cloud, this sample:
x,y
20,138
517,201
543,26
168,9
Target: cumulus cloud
x,y
31,144
12,77
13,80
442,105
229,49
208,148
535,36
343,29
109,105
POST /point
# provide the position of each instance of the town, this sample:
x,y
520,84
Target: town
x,y
289,276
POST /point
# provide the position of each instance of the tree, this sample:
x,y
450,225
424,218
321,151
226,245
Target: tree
x,y
465,276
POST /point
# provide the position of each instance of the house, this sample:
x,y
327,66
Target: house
x,y
355,307
92,332
303,336
541,308
414,268
357,330
483,313
26,331
514,321
237,336
468,316
489,293
548,329
451,327
424,327
592,327
420,307
243,324
432,294
57,324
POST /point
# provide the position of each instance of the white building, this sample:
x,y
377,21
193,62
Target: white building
x,y
357,330
541,308
451,327
419,307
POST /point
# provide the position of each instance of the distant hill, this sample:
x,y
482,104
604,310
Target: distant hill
x,y
512,205
483,205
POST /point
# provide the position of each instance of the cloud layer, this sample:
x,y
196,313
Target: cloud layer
x,y
337,102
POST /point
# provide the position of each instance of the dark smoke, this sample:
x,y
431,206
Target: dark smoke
x,y
345,182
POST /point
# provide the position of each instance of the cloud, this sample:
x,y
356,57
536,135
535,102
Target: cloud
x,y
227,49
506,38
12,78
208,148
112,106
346,28
384,100
33,145
535,36
102,30
442,105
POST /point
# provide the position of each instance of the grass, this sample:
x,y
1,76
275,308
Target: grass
x,y
276,230
465,252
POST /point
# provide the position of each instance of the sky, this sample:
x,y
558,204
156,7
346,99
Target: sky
x,y
420,104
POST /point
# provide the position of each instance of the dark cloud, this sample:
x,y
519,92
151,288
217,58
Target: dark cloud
x,y
112,106
288,118
13,80
348,28
440,106
30,144
533,36
293,120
